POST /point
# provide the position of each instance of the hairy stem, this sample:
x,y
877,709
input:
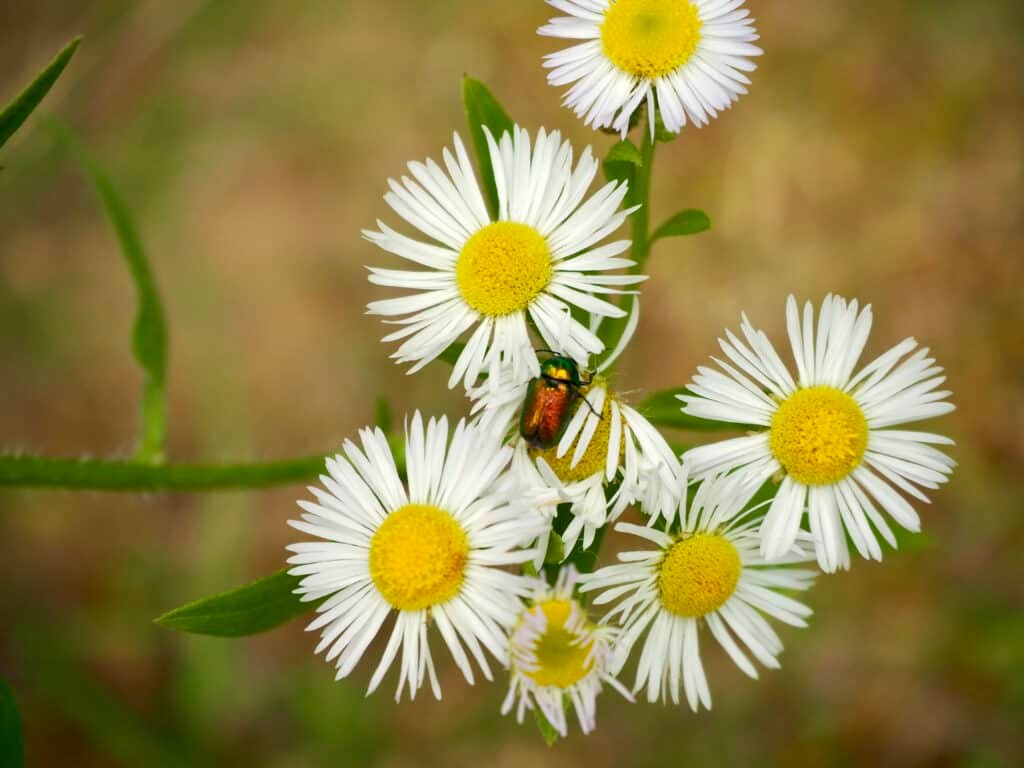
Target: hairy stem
x,y
135,476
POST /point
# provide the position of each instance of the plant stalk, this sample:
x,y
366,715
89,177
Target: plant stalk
x,y
137,476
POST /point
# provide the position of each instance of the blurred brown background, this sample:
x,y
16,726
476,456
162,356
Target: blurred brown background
x,y
879,155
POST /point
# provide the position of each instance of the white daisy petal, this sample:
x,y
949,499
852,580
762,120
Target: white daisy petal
x,y
827,431
686,59
707,574
540,258
558,655
436,551
603,442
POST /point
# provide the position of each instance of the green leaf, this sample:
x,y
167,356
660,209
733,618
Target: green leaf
x,y
679,448
621,164
585,560
556,550
149,335
547,730
661,133
689,222
24,103
382,415
664,409
908,541
625,152
248,610
11,753
451,355
483,109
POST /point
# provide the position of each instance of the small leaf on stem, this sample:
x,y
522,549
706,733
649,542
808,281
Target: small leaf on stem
x,y
547,730
624,152
664,409
689,222
482,109
621,165
24,104
149,334
256,607
382,415
451,355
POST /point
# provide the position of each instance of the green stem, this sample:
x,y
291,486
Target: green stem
x,y
641,249
642,218
641,235
135,476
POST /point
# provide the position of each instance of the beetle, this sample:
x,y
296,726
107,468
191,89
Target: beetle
x,y
550,401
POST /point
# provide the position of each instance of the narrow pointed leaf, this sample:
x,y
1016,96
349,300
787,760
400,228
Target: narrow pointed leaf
x,y
451,355
625,152
149,335
17,112
382,415
662,134
256,607
689,222
11,751
908,541
621,164
664,409
483,109
547,730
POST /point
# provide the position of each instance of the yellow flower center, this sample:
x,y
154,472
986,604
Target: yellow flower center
x,y
819,435
594,458
418,557
650,38
699,574
561,656
503,267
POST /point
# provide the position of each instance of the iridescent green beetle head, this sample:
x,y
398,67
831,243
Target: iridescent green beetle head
x,y
561,369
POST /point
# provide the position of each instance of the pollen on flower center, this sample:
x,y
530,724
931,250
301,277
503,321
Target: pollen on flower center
x,y
503,267
594,459
561,654
819,435
418,557
699,574
650,38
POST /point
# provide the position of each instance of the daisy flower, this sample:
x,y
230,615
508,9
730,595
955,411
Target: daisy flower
x,y
537,261
427,554
686,56
708,575
826,431
558,657
605,441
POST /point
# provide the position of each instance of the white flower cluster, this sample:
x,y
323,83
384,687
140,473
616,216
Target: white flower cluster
x,y
489,531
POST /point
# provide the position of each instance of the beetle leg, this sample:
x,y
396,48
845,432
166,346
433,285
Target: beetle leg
x,y
591,407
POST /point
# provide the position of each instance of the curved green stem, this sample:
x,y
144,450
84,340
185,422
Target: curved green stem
x,y
135,476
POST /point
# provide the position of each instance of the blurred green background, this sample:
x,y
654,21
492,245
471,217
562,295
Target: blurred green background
x,y
879,154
